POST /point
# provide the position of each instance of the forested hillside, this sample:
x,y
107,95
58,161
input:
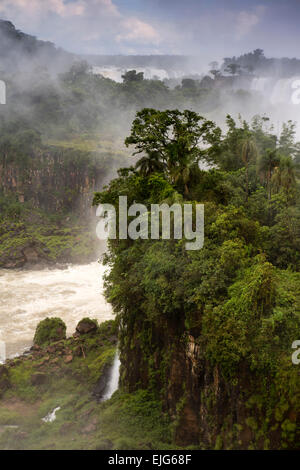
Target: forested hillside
x,y
208,333
19,51
205,336
61,138
256,62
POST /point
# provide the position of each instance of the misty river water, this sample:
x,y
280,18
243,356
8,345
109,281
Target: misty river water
x,y
27,297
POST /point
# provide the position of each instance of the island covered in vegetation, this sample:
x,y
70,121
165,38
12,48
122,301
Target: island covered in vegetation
x,y
209,332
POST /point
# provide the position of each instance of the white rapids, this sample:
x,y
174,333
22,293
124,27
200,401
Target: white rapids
x,y
27,297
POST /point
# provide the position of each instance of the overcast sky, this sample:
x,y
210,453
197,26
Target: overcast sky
x,y
211,29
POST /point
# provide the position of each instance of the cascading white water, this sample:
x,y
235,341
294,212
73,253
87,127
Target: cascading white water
x,y
113,380
280,100
27,297
283,91
275,91
115,73
51,416
260,84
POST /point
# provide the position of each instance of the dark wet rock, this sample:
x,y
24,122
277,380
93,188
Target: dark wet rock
x,y
78,351
51,349
101,385
86,326
17,262
113,339
28,256
54,361
31,255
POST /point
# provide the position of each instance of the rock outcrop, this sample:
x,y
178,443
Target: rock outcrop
x,y
209,410
86,326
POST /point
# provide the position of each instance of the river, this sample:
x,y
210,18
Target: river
x,y
27,297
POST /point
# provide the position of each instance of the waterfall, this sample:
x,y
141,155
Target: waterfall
x,y
282,91
259,84
115,73
2,351
275,91
51,416
113,380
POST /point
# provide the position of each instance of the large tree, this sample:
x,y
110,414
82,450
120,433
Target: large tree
x,y
179,140
150,163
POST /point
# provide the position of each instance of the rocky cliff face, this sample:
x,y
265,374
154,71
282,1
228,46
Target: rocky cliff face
x,y
46,212
207,409
54,180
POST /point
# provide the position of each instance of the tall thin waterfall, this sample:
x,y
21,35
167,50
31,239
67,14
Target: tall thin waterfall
x,y
113,381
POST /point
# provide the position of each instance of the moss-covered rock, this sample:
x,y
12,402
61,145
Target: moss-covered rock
x,y
50,330
86,325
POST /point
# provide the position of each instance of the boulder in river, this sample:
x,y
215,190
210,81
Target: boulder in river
x,y
86,325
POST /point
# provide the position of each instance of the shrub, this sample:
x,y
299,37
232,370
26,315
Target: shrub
x,y
49,330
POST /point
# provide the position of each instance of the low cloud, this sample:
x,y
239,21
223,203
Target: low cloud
x,y
137,30
209,30
80,25
247,20
39,9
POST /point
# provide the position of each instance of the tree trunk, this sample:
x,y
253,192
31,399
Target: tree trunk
x,y
247,183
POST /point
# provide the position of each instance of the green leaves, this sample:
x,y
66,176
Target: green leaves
x,y
258,321
171,141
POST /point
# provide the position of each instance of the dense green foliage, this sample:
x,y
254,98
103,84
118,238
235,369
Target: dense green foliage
x,y
49,330
239,295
